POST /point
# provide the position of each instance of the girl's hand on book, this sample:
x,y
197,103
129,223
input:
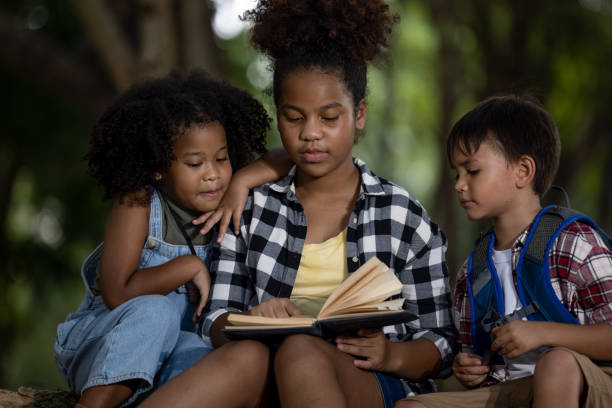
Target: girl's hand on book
x,y
371,345
276,307
469,369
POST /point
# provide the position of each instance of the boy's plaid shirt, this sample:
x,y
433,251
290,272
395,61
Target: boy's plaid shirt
x,y
580,273
262,262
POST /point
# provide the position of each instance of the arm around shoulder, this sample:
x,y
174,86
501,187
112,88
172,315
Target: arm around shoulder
x,y
273,165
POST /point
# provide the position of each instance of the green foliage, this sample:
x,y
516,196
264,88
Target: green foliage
x,y
55,214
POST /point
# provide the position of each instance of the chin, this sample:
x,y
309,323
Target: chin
x,y
472,216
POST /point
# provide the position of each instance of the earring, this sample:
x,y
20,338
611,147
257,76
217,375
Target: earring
x,y
158,177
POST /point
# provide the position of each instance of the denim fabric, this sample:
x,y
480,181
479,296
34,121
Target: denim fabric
x,y
391,389
148,338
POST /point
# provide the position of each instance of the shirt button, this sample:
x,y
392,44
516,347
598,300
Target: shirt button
x,y
152,244
355,220
355,259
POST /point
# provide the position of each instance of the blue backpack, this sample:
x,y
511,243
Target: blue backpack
x,y
532,278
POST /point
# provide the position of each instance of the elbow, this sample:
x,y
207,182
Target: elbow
x,y
112,300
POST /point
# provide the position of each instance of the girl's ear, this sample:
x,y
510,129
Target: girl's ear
x,y
525,170
360,114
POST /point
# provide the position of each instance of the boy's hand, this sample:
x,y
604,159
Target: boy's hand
x,y
230,208
516,338
276,307
371,345
202,282
469,369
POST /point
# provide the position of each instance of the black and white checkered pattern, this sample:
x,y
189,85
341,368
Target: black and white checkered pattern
x,y
262,262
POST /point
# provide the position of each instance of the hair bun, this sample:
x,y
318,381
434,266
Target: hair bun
x,y
360,28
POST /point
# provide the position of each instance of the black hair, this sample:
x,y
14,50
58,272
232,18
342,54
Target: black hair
x,y
517,126
134,138
335,36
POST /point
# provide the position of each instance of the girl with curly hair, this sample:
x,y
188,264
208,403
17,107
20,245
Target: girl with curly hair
x,y
302,235
164,151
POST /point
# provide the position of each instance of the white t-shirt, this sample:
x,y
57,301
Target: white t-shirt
x,y
524,365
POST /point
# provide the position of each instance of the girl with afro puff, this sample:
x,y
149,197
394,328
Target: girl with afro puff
x,y
302,235
164,151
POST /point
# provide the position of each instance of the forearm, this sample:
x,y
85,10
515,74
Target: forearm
x,y
217,337
592,340
414,360
161,280
271,166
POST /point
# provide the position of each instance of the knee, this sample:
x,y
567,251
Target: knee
x,y
155,312
247,357
557,362
296,350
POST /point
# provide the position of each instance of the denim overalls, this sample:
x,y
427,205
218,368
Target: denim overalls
x,y
150,338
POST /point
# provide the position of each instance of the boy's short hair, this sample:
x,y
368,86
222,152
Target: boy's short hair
x,y
517,126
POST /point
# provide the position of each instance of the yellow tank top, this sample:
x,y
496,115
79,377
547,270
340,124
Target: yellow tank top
x,y
322,268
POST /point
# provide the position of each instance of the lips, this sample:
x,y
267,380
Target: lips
x,y
313,156
211,193
466,203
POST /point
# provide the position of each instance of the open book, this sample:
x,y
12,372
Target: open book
x,y
358,302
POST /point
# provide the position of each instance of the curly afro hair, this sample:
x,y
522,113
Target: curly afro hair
x,y
336,36
134,138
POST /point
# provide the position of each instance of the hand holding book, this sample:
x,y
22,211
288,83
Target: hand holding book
x,y
359,302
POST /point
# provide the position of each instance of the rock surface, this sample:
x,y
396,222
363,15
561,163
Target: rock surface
x,y
29,397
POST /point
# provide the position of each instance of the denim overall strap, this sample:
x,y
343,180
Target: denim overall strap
x,y
156,217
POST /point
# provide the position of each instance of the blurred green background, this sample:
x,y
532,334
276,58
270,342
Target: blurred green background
x,y
62,61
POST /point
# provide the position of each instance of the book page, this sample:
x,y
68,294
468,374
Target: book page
x,y
376,292
373,284
351,281
388,306
237,319
374,275
267,326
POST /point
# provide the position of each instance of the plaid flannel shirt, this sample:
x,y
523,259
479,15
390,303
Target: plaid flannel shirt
x,y
580,274
262,262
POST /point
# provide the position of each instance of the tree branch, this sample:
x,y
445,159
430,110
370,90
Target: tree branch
x,y
158,51
107,37
198,39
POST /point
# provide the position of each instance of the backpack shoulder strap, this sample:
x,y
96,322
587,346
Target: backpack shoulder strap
x,y
483,290
533,273
552,220
546,226
479,273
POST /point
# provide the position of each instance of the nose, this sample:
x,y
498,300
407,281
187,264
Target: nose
x,y
311,130
460,185
210,172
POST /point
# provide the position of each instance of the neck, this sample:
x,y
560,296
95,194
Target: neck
x,y
346,177
511,224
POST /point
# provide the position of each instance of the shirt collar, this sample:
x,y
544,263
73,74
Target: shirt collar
x,y
518,245
371,184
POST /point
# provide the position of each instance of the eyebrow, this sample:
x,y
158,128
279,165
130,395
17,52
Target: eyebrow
x,y
189,154
324,107
464,162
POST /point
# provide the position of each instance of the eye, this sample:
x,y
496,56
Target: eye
x,y
222,159
330,118
473,172
194,165
290,118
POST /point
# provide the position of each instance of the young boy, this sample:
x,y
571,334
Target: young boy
x,y
506,153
